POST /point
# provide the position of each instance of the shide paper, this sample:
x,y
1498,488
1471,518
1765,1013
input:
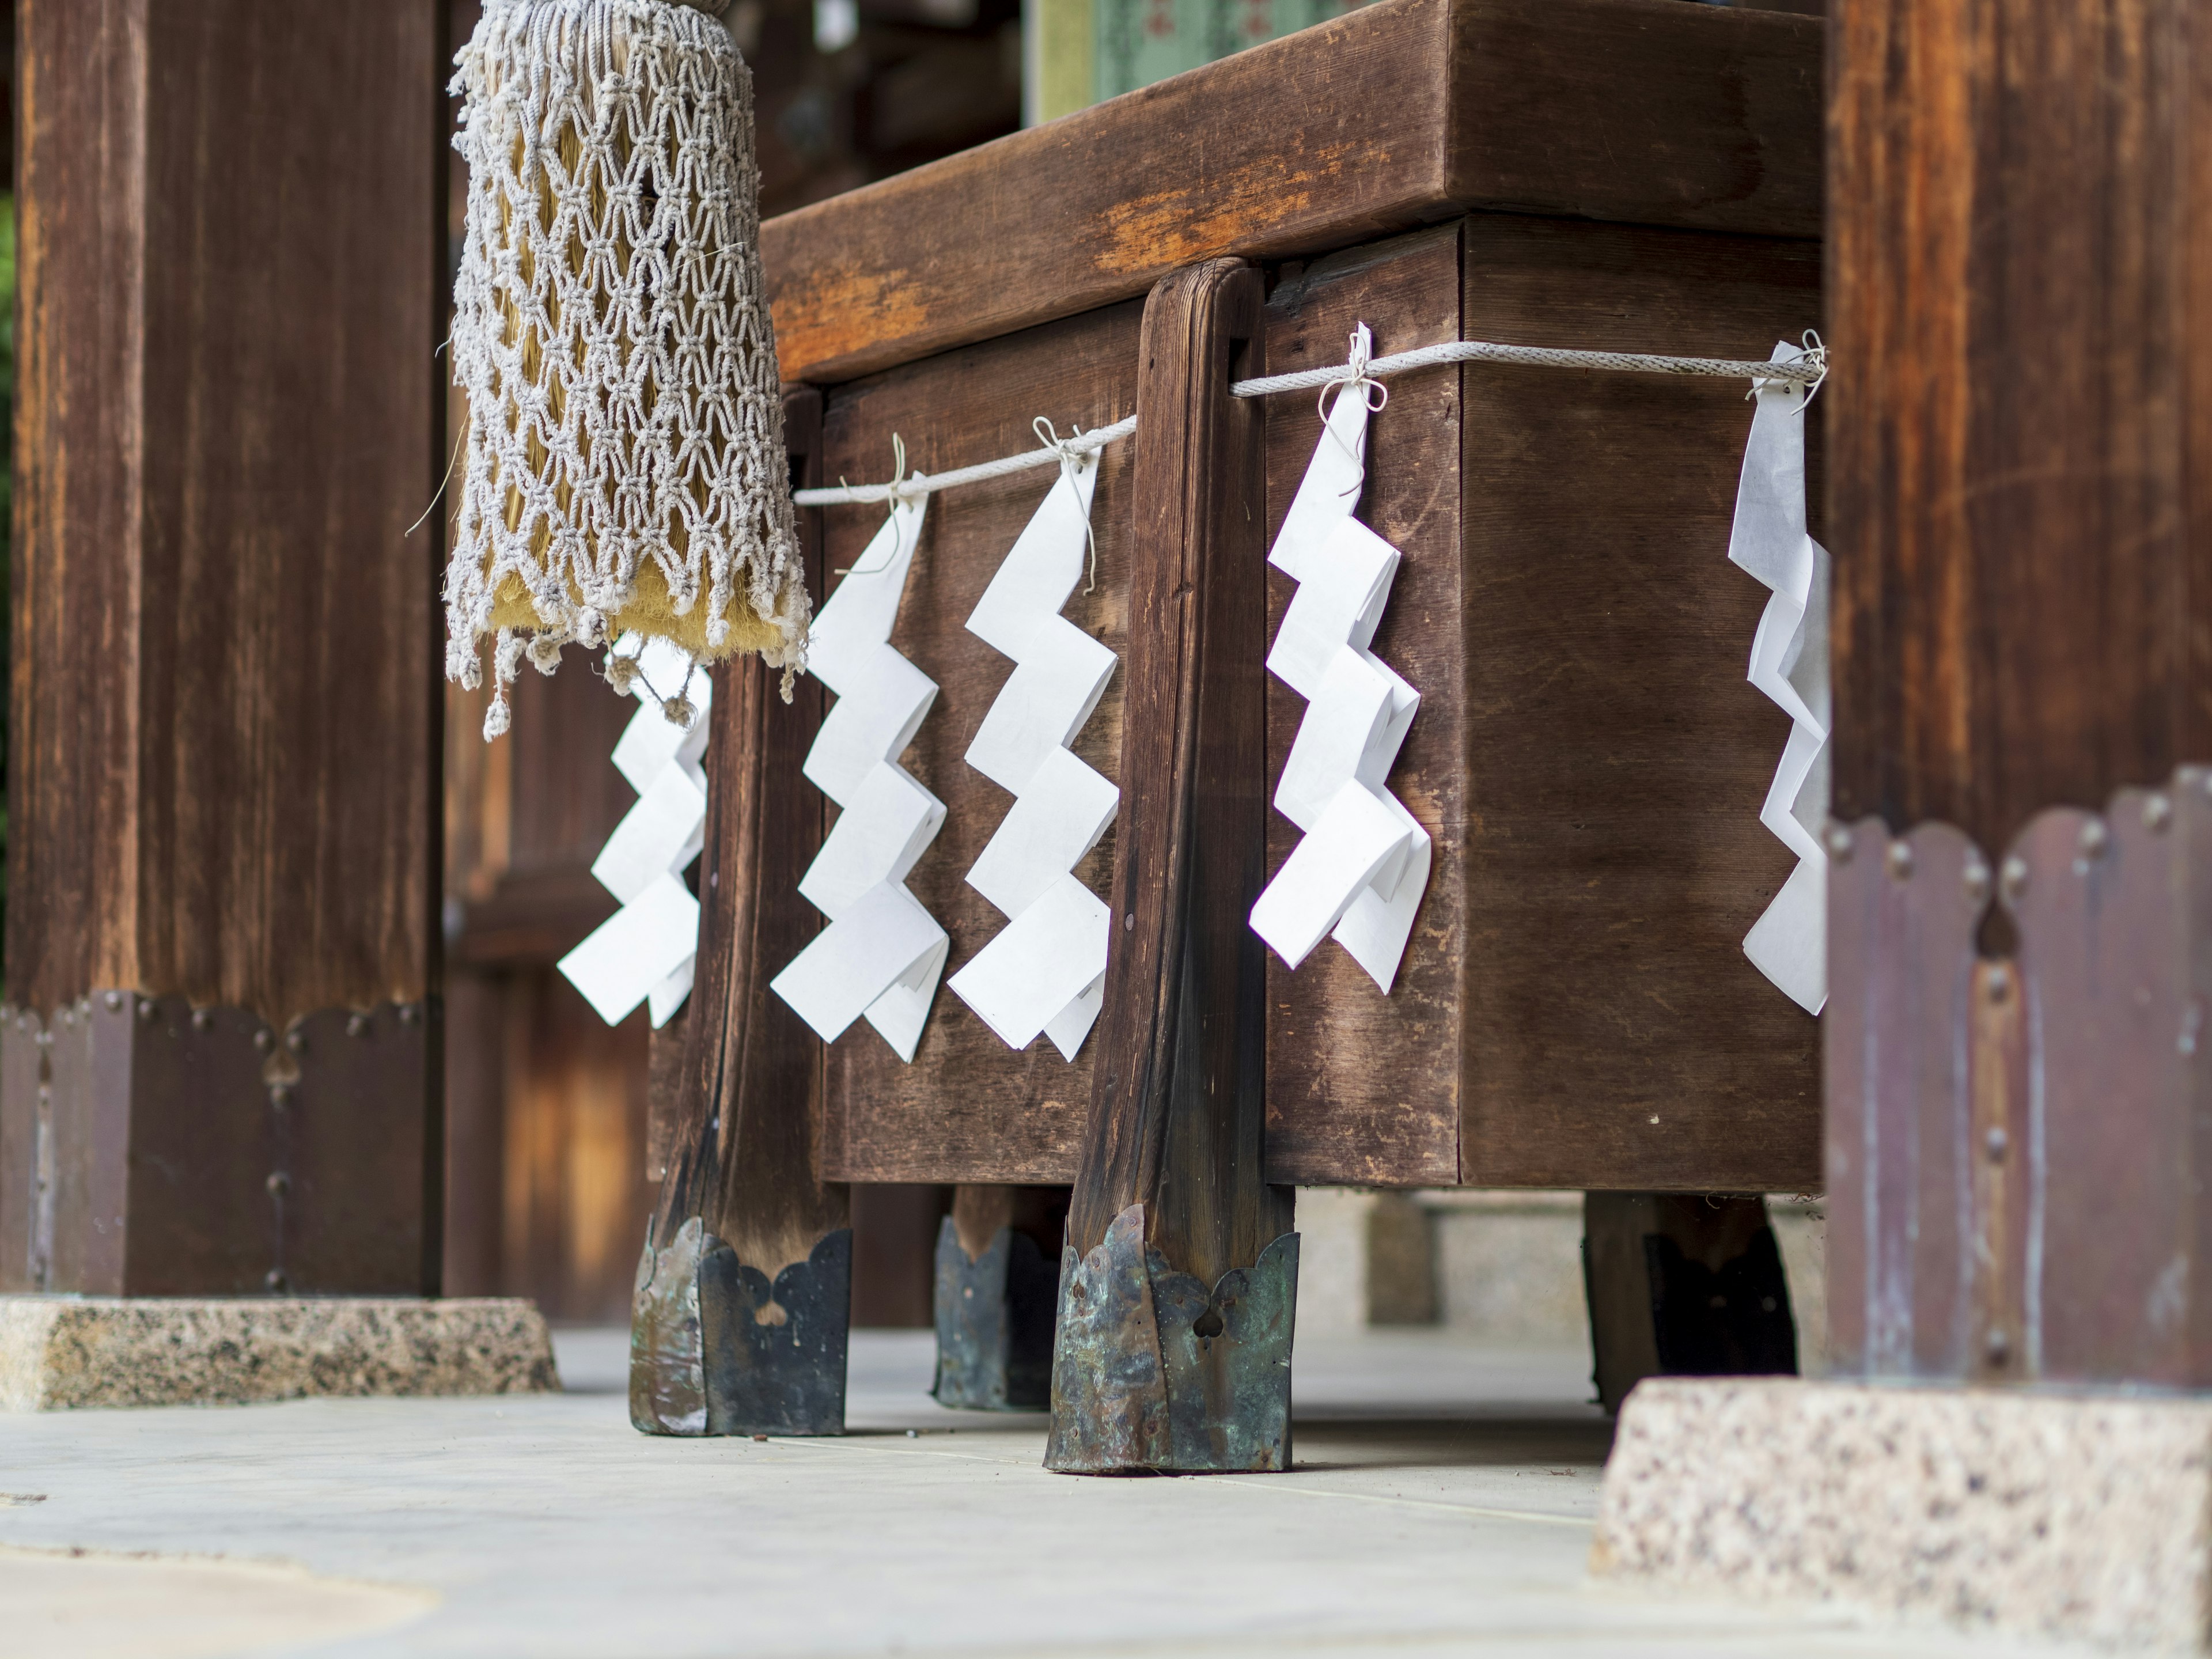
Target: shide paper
x,y
645,951
1045,971
1363,865
881,954
1789,664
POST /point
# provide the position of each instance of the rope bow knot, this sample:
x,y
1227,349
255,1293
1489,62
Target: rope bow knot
x,y
1354,378
897,492
1072,452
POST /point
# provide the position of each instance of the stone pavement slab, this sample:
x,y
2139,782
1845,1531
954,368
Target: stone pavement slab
x,y
1441,1503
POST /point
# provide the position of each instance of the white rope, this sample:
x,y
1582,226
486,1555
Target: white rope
x,y
1809,370
1083,443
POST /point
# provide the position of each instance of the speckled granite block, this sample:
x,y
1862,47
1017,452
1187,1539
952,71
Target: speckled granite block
x,y
2075,1517
59,1352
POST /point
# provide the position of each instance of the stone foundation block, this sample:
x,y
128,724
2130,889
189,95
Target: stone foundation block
x,y
61,1352
2074,1517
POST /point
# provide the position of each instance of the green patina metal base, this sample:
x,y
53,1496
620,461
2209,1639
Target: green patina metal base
x,y
1152,1371
715,1349
995,1324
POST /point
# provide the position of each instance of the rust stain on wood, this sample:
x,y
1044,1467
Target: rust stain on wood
x,y
1189,222
831,312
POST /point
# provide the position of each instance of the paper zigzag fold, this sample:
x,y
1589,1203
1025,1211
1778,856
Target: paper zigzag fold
x,y
1046,970
882,953
1789,664
1363,865
644,952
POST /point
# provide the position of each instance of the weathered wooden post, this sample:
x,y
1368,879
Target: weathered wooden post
x,y
744,1289
220,1063
1179,1277
2021,896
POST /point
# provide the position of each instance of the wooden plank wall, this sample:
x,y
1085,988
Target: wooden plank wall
x,y
966,1103
545,1103
1575,1009
1617,1036
1362,1087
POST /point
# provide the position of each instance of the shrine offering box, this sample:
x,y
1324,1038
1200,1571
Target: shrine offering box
x,y
1575,1008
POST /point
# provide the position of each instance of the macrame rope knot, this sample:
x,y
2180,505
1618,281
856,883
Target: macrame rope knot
x,y
679,710
623,465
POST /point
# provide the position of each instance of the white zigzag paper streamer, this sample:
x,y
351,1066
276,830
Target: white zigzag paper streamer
x,y
882,953
644,952
1789,664
1046,970
1360,870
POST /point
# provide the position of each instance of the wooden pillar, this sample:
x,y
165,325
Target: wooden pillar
x,y
1180,1274
2020,448
740,1321
220,1055
1683,1284
996,1293
2020,414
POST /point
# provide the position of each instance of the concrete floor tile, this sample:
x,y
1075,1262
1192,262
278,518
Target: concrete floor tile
x,y
1441,1503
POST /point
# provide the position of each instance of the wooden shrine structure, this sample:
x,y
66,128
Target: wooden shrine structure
x,y
220,1067
1575,1009
219,1059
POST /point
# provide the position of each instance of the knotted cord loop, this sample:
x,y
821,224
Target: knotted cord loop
x,y
1354,378
1072,455
898,492
1354,374
1816,354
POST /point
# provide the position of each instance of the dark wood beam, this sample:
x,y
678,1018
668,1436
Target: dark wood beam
x,y
2020,891
1329,137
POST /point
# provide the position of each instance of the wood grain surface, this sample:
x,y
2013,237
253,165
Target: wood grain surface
x,y
1178,1092
2023,433
224,773
1363,1087
748,1111
1588,754
1401,114
1615,1035
2022,475
969,1108
526,817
